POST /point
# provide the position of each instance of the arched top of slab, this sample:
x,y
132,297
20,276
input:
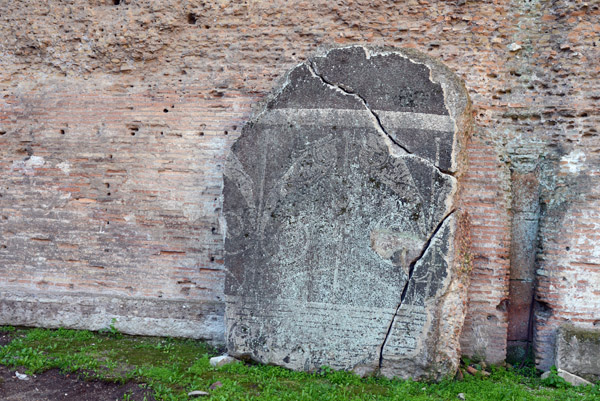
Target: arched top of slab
x,y
403,89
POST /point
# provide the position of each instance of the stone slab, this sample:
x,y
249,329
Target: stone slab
x,y
138,316
578,351
340,202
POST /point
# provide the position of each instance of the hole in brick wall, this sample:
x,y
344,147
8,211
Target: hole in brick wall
x,y
3,246
172,106
108,222
201,133
212,258
568,248
4,217
206,27
62,131
108,194
2,132
165,110
213,230
107,184
162,133
191,18
133,130
234,127
543,309
226,133
110,156
116,2
596,322
502,306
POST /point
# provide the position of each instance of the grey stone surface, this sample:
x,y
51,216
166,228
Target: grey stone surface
x,y
340,199
578,351
139,316
569,377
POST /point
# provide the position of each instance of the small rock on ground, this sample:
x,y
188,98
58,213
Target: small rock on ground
x,y
219,361
21,376
215,385
197,393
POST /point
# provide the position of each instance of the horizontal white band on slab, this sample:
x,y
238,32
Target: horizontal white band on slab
x,y
345,117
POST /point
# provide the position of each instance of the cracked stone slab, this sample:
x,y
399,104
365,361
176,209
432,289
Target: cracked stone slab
x,y
341,201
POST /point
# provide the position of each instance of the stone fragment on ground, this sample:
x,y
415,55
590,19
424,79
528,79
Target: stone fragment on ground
x,y
21,376
198,393
215,385
222,360
343,243
569,378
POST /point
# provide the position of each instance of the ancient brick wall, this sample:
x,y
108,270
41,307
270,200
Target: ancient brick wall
x,y
116,118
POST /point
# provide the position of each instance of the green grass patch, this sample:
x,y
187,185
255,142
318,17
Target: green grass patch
x,y
174,367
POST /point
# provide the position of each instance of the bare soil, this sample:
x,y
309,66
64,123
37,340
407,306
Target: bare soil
x,y
53,385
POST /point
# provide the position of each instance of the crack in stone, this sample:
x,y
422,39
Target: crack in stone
x,y
405,289
378,125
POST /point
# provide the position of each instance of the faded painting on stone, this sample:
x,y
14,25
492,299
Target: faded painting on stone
x,y
340,202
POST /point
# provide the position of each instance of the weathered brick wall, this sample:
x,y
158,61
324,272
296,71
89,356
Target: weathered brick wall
x,y
115,120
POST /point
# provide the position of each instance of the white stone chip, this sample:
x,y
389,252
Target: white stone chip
x,y
222,360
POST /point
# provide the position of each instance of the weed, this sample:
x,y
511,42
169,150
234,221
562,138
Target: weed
x,y
174,367
7,329
554,380
111,330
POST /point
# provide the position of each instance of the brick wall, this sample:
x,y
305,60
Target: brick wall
x,y
115,121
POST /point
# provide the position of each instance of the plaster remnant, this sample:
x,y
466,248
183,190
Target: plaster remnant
x,y
28,165
573,163
65,167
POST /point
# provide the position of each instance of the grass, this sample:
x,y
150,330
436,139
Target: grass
x,y
173,367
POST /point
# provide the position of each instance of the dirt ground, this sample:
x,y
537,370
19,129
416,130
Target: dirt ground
x,y
52,386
